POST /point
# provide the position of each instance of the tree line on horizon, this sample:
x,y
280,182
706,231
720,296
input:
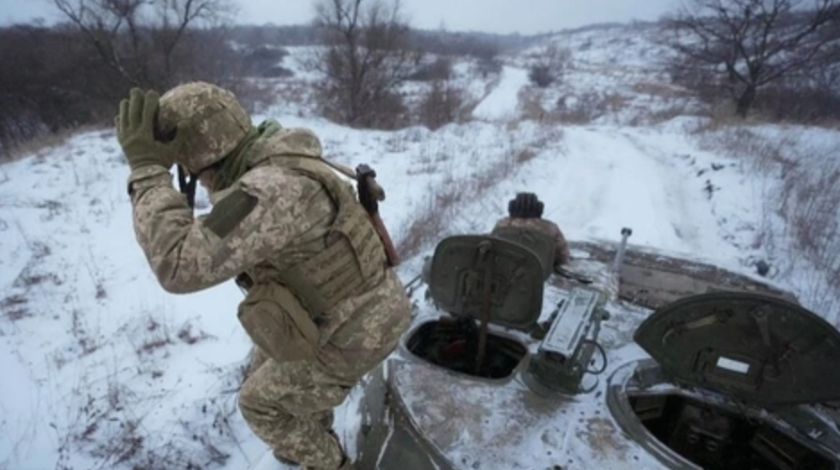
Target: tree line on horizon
x,y
776,57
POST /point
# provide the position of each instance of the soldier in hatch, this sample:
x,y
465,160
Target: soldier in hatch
x,y
323,307
526,211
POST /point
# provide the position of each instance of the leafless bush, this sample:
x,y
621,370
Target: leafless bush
x,y
550,66
441,105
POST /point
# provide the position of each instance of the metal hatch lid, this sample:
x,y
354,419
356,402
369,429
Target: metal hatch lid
x,y
753,347
458,274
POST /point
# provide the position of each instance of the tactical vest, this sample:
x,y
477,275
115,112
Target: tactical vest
x,y
349,261
354,255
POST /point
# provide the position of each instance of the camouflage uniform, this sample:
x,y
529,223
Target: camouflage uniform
x,y
323,308
561,253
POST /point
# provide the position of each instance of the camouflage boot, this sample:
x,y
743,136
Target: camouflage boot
x,y
347,464
286,462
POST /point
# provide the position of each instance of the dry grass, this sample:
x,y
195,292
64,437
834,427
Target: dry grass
x,y
760,154
651,116
530,105
446,198
86,343
807,200
569,109
188,336
661,90
588,107
14,308
46,143
110,419
110,428
155,336
32,276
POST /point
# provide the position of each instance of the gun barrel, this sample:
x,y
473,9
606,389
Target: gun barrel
x,y
619,255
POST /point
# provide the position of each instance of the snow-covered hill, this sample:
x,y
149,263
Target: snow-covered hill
x,y
103,369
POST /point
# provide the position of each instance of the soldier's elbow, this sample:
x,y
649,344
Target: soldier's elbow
x,y
175,285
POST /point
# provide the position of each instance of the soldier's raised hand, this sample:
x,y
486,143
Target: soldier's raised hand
x,y
136,132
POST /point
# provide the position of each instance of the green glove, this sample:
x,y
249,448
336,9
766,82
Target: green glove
x,y
136,133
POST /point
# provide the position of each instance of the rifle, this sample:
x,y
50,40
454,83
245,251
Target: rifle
x,y
370,194
187,187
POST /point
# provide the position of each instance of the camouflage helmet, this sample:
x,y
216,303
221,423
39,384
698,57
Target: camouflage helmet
x,y
213,119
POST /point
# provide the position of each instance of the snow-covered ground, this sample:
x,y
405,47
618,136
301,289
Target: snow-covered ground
x,y
103,369
503,101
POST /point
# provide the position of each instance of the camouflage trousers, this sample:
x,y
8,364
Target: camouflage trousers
x,y
289,406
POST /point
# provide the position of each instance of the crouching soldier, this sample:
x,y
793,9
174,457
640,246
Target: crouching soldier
x,y
323,306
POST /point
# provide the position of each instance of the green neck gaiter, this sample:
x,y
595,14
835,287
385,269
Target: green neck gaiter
x,y
236,163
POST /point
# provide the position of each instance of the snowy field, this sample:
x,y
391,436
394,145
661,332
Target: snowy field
x,y
103,369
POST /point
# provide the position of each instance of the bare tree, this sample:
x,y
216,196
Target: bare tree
x,y
747,44
139,38
367,56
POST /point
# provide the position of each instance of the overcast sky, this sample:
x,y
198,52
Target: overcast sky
x,y
498,16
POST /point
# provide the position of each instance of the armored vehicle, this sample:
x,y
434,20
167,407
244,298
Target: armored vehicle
x,y
623,359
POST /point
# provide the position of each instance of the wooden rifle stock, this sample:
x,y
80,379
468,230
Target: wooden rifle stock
x,y
370,201
379,226
366,181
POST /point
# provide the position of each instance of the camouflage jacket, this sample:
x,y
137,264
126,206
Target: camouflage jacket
x,y
288,222
561,253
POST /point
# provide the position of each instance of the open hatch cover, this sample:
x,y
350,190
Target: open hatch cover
x,y
754,347
461,266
